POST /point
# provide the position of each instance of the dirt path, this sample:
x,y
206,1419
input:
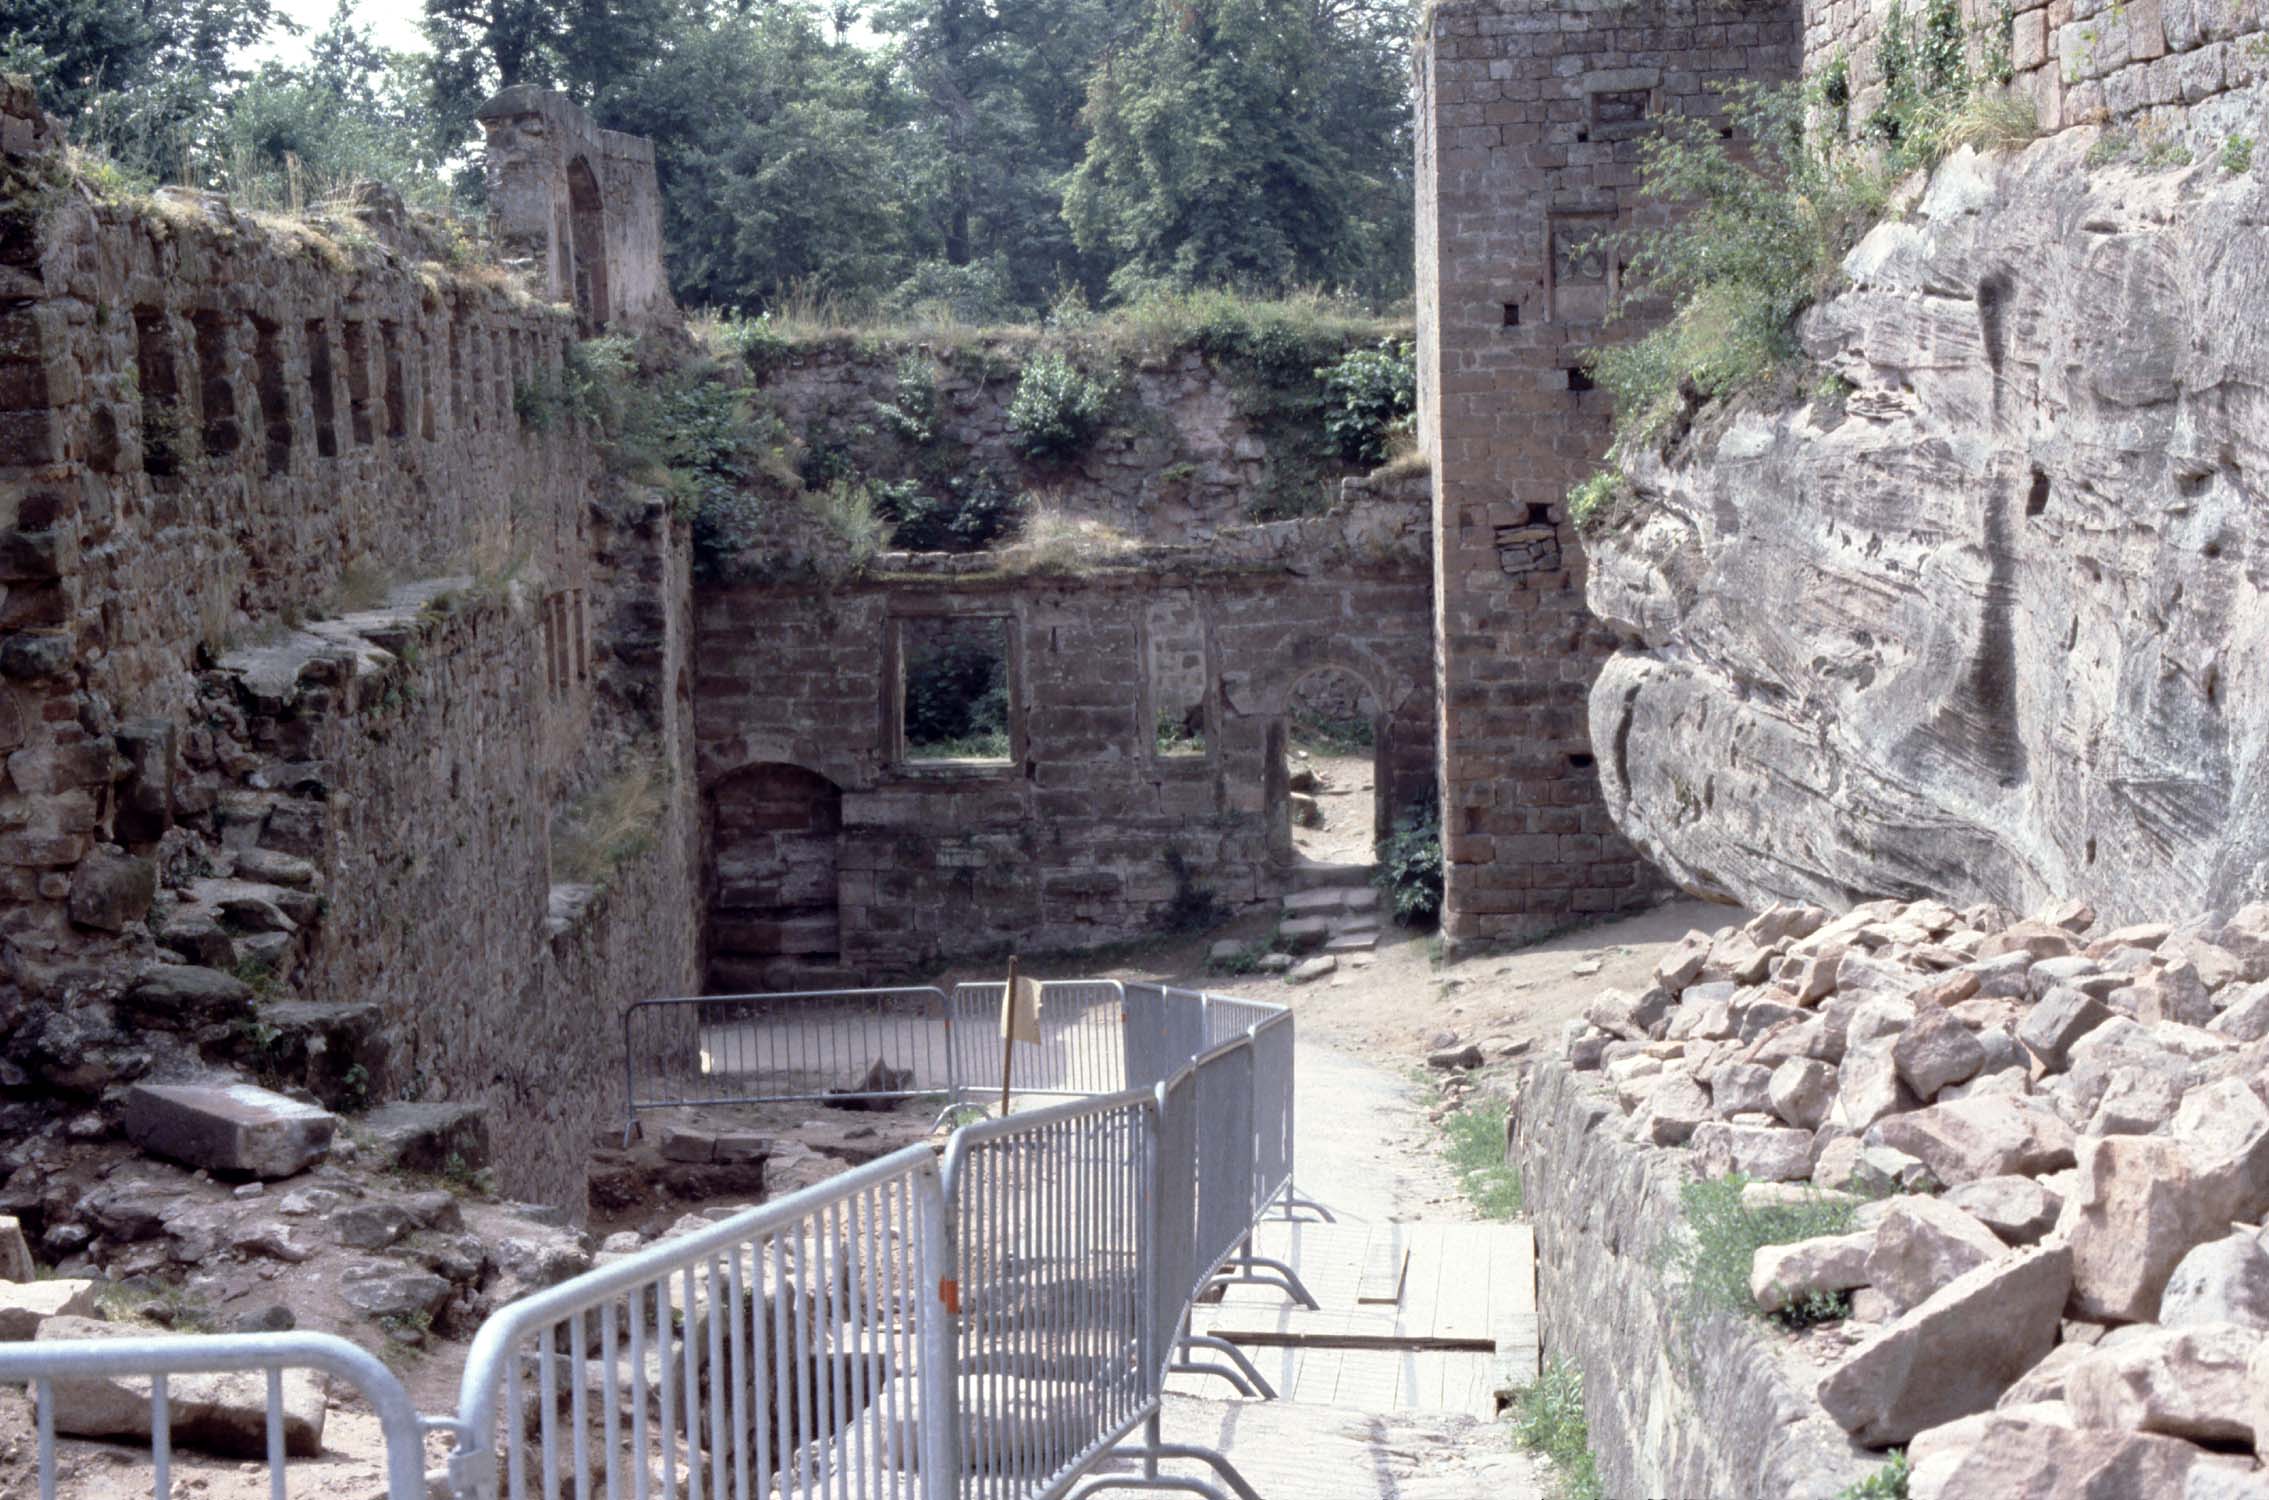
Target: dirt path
x,y
1344,797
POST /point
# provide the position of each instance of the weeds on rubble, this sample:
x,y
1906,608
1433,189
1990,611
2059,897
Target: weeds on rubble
x,y
1886,1483
1410,868
609,825
1054,541
1711,1255
407,1338
1593,498
1405,460
1775,207
1474,1146
1548,1420
156,1304
466,1180
1246,960
2237,155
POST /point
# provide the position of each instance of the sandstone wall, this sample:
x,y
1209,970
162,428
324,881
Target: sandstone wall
x,y
1194,445
307,633
1086,833
2166,62
1714,1407
1993,635
1530,116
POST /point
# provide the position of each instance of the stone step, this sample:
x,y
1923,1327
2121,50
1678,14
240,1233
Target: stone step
x,y
1303,933
1353,942
1311,876
1325,901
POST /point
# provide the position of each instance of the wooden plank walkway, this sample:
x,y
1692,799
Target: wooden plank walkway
x,y
1410,1317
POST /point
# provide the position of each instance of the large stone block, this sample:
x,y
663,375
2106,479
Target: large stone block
x,y
225,1414
237,1129
1956,1352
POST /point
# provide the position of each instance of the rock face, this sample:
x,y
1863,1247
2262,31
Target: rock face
x,y
1992,631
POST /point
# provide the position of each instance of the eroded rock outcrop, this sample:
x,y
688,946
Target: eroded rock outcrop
x,y
1995,628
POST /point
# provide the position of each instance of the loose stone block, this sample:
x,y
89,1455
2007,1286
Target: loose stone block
x,y
238,1129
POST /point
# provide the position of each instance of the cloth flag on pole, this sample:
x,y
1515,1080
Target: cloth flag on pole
x,y
1020,1014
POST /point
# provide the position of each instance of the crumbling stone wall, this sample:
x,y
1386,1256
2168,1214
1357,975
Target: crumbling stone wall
x,y
248,804
1086,832
2174,63
1194,445
1530,115
582,203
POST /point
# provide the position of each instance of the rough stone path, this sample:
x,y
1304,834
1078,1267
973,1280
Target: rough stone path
x,y
1367,1151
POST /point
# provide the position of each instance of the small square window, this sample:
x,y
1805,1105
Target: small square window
x,y
954,694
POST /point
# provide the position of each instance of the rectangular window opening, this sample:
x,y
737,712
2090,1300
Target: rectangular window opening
x,y
215,389
1178,678
953,687
358,379
397,400
275,402
319,388
1512,315
165,428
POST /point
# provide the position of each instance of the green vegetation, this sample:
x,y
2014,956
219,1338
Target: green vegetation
x,y
1597,496
956,705
1058,409
1886,1483
613,823
910,157
2237,155
1475,1149
1711,1259
1410,868
1773,212
1549,1422
1371,398
154,1303
1246,960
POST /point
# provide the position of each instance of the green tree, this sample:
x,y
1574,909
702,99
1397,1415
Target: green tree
x,y
780,158
143,79
352,110
996,95
583,46
1241,142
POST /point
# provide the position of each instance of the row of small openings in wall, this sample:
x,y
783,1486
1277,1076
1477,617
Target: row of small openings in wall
x,y
567,659
175,430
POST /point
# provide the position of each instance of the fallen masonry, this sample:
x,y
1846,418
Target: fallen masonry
x,y
2051,1144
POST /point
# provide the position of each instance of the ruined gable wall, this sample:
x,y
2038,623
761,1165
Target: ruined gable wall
x,y
212,422
582,203
1076,840
1529,119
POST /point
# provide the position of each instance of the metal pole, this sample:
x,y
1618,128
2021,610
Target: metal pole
x,y
1008,1032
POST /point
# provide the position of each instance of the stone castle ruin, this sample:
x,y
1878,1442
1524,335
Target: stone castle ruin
x,y
376,728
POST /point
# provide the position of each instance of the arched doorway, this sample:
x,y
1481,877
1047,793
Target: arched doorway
x,y
587,226
774,834
1330,750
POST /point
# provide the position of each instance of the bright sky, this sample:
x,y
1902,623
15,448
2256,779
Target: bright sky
x,y
393,22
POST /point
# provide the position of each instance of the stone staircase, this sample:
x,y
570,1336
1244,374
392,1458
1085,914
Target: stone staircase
x,y
1332,909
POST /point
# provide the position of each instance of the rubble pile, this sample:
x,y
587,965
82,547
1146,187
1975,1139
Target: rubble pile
x,y
2054,1139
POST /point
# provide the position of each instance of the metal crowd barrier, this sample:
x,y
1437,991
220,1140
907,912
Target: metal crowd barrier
x,y
97,1367
990,1327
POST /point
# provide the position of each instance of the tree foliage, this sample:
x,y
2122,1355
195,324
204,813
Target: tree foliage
x,y
978,159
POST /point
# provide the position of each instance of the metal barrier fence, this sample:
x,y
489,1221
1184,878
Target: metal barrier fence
x,y
811,1044
991,1327
90,1372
